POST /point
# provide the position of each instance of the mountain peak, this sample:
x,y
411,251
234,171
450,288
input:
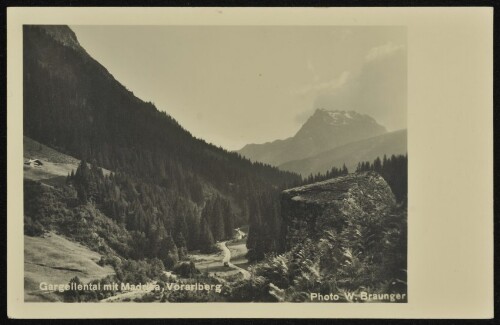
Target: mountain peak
x,y
323,118
336,117
61,34
323,131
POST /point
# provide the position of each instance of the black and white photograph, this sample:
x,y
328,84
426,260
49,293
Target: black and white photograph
x,y
219,162
215,164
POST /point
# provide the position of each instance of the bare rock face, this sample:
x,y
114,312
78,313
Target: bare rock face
x,y
310,210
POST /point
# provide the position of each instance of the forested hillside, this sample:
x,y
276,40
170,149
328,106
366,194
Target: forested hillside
x,y
147,196
167,187
345,235
350,154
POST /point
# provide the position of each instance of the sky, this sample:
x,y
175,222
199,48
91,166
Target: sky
x,y
235,85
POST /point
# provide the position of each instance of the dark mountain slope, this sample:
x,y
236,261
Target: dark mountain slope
x,y
73,104
392,143
324,130
164,179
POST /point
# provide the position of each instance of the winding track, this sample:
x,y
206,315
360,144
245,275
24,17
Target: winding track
x,y
227,258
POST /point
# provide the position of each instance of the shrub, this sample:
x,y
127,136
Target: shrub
x,y
186,270
33,228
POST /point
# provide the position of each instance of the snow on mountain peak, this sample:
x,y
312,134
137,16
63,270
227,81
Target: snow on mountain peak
x,y
337,117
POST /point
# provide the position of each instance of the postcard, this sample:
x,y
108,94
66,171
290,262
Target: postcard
x,y
238,162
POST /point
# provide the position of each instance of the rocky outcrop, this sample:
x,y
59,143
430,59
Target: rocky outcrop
x,y
310,210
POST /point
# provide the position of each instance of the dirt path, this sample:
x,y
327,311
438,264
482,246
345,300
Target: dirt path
x,y
227,258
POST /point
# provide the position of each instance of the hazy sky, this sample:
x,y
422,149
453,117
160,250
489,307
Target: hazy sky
x,y
234,85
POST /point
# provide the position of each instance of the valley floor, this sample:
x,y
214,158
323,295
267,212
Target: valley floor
x,y
231,252
55,260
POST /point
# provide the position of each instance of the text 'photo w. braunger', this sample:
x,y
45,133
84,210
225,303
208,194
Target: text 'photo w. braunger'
x,y
215,164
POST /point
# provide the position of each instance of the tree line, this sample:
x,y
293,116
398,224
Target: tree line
x,y
162,223
394,170
164,180
171,191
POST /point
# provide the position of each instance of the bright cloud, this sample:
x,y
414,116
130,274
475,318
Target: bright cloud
x,y
326,85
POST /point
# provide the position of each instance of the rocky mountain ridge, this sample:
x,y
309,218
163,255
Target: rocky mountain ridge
x,y
350,154
324,130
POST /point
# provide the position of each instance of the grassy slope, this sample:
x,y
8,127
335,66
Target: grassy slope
x,y
56,251
56,165
35,150
54,259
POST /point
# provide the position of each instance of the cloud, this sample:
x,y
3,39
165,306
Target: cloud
x,y
379,89
329,85
381,51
